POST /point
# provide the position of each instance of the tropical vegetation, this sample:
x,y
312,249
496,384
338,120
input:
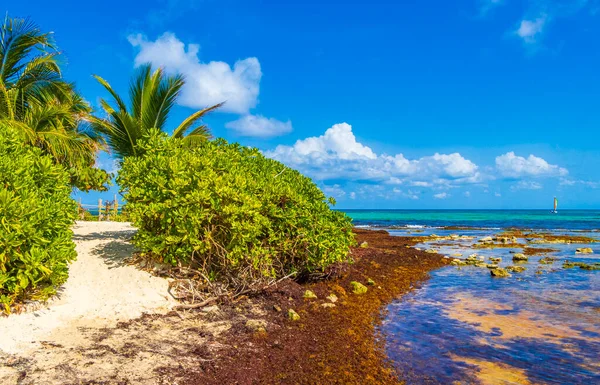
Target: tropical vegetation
x,y
234,216
224,211
36,213
152,97
47,148
46,111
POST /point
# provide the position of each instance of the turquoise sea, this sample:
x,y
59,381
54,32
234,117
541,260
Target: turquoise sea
x,y
490,219
463,326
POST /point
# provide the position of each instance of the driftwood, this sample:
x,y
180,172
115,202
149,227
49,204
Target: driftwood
x,y
216,298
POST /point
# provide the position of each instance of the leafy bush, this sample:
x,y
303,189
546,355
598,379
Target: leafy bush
x,y
36,213
238,217
89,178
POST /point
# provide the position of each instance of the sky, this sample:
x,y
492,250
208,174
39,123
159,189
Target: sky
x,y
399,104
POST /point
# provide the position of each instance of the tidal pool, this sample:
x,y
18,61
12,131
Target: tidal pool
x,y
463,326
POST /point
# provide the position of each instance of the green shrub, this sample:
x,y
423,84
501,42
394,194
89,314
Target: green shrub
x,y
227,210
36,213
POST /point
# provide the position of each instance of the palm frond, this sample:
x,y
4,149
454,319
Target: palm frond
x,y
192,119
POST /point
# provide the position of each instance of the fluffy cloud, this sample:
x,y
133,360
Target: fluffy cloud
x,y
259,126
206,83
338,155
512,166
529,30
441,195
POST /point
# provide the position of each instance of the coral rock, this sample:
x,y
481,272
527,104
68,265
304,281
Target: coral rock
x,y
358,288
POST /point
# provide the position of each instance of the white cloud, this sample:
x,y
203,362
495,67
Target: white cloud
x,y
410,194
467,194
110,165
352,195
571,182
512,166
497,194
206,83
259,126
529,30
335,191
338,155
526,185
441,195
420,184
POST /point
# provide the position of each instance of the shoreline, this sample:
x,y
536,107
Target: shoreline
x,y
330,345
248,341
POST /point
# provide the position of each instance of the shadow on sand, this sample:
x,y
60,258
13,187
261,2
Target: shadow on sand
x,y
115,253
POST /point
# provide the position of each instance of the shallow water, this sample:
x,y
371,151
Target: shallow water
x,y
536,219
541,326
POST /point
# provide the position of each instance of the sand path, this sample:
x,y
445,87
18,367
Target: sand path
x,y
101,291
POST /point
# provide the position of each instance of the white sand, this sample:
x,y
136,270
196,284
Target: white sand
x,y
100,292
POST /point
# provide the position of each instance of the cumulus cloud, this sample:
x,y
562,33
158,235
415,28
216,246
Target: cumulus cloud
x,y
206,83
338,155
259,126
512,166
529,30
442,195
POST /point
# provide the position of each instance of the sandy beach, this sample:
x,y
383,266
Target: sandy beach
x,y
96,332
101,291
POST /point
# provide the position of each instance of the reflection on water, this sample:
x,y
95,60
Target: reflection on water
x,y
541,326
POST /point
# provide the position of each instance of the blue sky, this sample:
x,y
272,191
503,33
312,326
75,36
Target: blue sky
x,y
462,104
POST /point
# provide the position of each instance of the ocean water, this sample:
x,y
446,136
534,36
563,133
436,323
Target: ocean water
x,y
463,326
531,219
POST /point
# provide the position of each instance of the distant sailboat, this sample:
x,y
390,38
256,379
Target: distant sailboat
x,y
555,206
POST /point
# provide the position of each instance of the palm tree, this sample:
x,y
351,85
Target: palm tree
x,y
60,129
152,96
45,109
29,69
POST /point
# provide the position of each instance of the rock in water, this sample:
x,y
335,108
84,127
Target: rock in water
x,y
516,269
499,272
520,257
358,288
584,250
